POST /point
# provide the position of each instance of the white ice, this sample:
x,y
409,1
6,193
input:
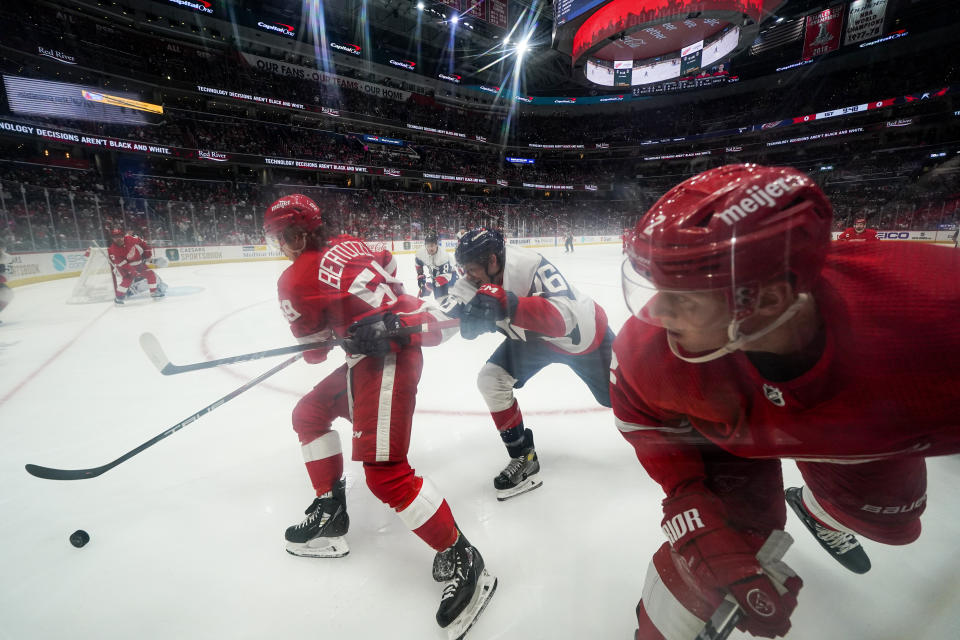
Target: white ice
x,y
187,537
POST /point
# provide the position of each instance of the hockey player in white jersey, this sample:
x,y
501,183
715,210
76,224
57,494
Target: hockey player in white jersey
x,y
519,293
435,270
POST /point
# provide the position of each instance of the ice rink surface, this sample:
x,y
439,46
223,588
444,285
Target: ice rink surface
x,y
187,537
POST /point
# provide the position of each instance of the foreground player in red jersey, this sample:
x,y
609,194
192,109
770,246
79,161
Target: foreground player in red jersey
x,y
339,286
129,255
754,339
858,232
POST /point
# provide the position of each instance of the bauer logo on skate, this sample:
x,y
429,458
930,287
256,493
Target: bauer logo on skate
x,y
757,197
682,524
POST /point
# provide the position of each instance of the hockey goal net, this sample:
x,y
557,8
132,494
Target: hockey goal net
x,y
96,282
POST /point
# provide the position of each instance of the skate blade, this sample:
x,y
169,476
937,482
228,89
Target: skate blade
x,y
529,484
486,586
319,548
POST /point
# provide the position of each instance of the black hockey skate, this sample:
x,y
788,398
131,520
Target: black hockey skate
x,y
320,535
843,546
521,474
468,590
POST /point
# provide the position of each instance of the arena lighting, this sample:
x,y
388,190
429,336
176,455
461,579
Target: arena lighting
x,y
454,18
421,6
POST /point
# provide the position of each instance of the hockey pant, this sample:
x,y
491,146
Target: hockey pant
x,y
378,395
515,361
129,274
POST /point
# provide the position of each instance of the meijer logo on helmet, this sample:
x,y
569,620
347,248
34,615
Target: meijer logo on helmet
x,y
765,196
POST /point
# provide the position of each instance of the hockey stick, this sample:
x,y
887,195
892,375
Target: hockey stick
x,y
724,620
151,346
48,473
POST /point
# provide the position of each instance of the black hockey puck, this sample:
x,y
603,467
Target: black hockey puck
x,y
79,538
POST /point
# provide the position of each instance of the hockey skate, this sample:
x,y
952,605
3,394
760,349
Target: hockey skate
x,y
843,546
521,474
320,535
468,590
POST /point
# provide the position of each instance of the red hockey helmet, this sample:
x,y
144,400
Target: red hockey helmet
x,y
730,228
296,210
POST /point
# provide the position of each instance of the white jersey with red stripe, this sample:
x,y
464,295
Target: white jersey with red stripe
x,y
549,308
438,267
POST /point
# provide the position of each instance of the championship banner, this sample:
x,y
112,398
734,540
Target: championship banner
x,y
476,9
865,20
497,13
822,32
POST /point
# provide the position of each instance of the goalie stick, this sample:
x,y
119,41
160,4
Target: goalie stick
x,y
151,346
724,620
48,473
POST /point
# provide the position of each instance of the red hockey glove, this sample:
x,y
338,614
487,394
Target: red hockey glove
x,y
720,559
441,280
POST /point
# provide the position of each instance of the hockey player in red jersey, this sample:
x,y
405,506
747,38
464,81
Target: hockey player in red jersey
x,y
545,320
858,232
338,286
754,339
129,255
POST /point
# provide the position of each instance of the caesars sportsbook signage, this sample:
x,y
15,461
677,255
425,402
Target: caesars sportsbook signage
x,y
298,72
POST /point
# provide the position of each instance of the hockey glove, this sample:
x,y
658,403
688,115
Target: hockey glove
x,y
495,302
372,336
721,559
422,285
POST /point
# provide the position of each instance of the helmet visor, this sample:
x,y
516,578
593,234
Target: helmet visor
x,y
695,309
274,239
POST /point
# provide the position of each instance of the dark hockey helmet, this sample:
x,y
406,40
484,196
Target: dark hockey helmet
x,y
296,212
431,238
476,245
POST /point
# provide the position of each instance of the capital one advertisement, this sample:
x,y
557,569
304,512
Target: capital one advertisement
x,y
822,32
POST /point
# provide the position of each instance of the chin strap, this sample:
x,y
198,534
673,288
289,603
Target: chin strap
x,y
737,339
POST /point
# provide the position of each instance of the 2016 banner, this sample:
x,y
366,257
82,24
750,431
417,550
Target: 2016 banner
x,y
822,32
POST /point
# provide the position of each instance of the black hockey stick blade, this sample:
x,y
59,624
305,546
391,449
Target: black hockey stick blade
x,y
49,473
151,347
